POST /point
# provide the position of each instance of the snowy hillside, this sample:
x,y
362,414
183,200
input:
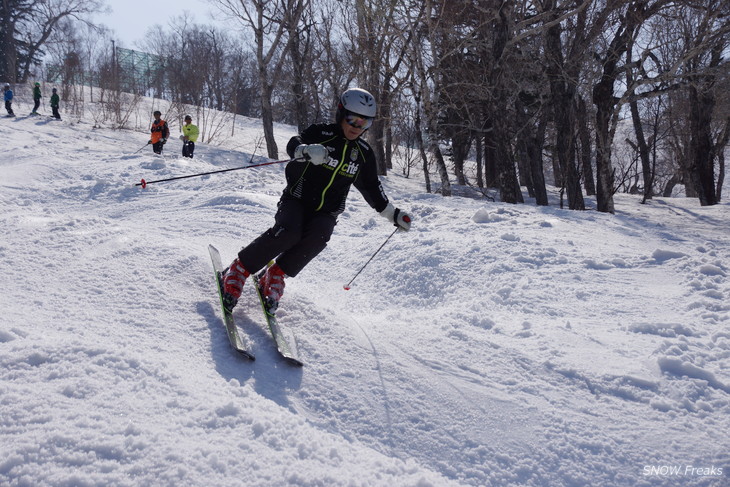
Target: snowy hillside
x,y
492,345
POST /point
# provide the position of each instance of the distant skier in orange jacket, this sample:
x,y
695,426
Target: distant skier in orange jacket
x,y
160,133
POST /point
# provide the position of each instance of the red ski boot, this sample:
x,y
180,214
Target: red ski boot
x,y
233,279
272,285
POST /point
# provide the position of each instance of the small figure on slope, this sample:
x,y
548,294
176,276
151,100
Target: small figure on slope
x,y
55,99
189,137
36,98
8,100
160,132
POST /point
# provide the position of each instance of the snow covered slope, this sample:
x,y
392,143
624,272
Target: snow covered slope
x,y
492,345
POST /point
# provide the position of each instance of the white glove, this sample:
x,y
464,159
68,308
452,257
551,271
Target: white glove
x,y
396,216
317,154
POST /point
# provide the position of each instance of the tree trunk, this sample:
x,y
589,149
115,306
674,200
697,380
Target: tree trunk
x,y
8,49
297,86
720,174
636,13
701,169
490,156
422,146
643,149
534,151
479,154
603,99
443,172
605,103
460,145
562,90
509,186
722,143
642,146
584,135
531,143
523,165
669,187
376,136
267,119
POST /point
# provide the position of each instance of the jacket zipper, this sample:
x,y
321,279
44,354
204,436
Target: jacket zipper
x,y
334,175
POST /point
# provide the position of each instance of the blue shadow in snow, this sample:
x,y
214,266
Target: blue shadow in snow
x,y
270,375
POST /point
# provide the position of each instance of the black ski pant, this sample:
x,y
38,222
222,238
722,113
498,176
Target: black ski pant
x,y
157,147
296,238
55,113
37,103
9,107
188,149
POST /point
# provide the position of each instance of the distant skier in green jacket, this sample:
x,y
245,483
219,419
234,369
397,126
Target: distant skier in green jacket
x,y
55,99
36,98
189,137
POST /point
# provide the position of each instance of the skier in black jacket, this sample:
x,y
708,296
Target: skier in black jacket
x,y
327,160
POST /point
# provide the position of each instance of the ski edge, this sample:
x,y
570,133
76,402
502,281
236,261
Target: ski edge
x,y
286,349
234,337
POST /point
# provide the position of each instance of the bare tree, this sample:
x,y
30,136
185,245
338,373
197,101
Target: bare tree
x,y
375,38
563,73
333,55
26,27
426,86
627,21
302,56
270,22
584,145
707,36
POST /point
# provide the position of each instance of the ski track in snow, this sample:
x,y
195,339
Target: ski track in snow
x,y
492,345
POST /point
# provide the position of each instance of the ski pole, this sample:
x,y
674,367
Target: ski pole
x,y
348,285
142,147
144,183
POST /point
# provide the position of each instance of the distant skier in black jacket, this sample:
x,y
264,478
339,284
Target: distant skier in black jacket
x,y
328,159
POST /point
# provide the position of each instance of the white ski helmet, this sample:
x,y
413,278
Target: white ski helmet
x,y
358,101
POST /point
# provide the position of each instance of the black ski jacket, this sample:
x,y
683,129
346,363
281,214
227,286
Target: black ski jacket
x,y
325,187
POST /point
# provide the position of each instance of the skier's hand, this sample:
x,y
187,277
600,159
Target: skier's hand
x,y
396,216
317,154
164,141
